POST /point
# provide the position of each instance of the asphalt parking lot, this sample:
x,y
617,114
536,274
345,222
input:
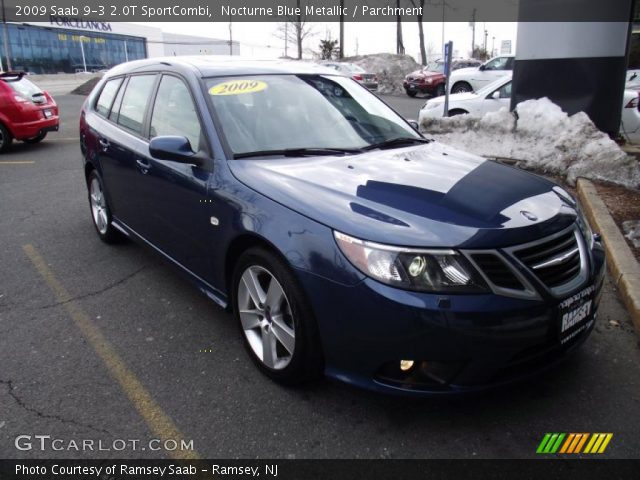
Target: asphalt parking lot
x,y
100,342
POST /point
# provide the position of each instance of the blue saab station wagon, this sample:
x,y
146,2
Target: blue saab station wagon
x,y
343,241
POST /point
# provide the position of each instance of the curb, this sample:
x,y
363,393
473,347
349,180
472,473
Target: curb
x,y
623,265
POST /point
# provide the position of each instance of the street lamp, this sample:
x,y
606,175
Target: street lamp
x,y
84,61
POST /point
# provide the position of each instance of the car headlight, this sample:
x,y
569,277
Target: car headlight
x,y
433,270
429,81
585,228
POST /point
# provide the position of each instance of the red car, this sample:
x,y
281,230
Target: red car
x,y
26,112
431,79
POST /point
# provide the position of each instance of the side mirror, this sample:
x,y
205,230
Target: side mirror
x,y
482,67
173,148
495,95
414,125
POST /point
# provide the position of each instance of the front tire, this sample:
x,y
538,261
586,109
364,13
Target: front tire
x,y
38,138
5,139
100,212
276,321
411,93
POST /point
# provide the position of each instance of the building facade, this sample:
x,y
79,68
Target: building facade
x,y
73,45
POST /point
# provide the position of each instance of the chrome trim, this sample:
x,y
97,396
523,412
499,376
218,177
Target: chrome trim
x,y
556,260
529,292
572,284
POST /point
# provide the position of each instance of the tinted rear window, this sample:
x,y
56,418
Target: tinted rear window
x,y
24,87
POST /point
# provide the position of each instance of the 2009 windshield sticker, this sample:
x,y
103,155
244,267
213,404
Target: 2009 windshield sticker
x,y
238,87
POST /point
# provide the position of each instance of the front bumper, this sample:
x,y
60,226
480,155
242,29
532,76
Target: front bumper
x,y
478,341
429,88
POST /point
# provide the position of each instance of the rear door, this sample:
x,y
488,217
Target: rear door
x,y
121,145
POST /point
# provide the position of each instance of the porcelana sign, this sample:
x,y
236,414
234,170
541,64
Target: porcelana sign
x,y
75,22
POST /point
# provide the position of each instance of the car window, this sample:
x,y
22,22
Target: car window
x,y
270,112
105,100
505,91
499,63
115,108
134,102
23,87
174,112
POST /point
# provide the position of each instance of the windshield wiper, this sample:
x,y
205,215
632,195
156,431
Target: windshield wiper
x,y
298,152
397,142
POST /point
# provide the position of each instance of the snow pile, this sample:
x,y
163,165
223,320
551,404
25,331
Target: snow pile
x,y
540,137
632,231
390,69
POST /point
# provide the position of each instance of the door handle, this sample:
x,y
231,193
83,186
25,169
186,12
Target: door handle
x,y
143,165
104,143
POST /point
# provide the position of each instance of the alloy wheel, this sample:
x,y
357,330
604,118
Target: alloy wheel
x,y
98,206
265,314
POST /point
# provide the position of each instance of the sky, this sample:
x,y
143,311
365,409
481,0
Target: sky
x,y
258,39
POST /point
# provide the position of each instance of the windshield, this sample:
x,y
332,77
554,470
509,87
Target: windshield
x,y
24,87
435,67
277,112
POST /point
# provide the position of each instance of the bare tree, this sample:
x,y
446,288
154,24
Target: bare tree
x,y
399,42
419,16
295,30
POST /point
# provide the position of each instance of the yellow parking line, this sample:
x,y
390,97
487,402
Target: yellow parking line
x,y
157,420
6,162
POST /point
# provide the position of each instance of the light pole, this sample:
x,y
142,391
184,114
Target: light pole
x,y
493,46
84,61
5,38
126,54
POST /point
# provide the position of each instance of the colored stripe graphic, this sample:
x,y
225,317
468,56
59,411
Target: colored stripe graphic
x,y
573,443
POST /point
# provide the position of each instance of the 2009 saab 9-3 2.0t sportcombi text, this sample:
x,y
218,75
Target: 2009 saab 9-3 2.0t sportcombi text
x,y
342,239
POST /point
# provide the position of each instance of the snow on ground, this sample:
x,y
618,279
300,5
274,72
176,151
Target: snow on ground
x,y
390,69
540,137
632,231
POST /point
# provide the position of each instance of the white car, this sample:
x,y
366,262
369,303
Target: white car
x,y
488,99
474,78
498,94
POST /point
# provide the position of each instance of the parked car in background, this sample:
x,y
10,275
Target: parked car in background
x,y
488,99
430,80
359,74
343,241
498,94
26,112
474,78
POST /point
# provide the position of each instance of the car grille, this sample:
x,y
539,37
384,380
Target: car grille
x,y
497,271
554,261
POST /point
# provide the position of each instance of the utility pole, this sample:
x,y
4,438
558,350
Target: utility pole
x,y
5,39
486,34
341,49
473,32
444,4
286,39
230,37
493,46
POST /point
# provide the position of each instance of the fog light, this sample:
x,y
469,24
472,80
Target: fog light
x,y
406,365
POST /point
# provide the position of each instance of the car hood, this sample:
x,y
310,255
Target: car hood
x,y
455,97
429,196
424,74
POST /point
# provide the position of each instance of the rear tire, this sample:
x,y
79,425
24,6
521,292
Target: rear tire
x,y
276,321
461,87
440,90
100,212
5,139
38,138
